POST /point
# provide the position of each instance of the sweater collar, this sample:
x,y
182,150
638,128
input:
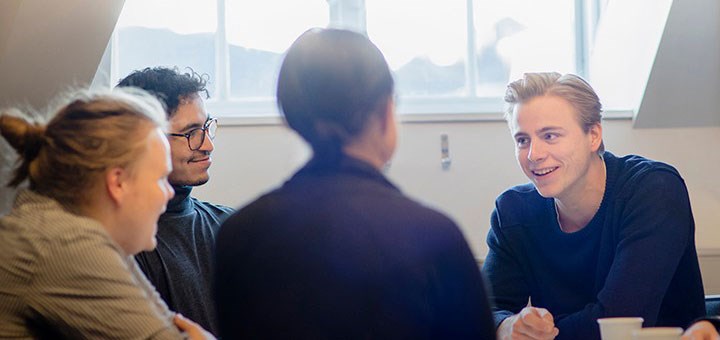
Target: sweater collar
x,y
342,163
611,167
180,203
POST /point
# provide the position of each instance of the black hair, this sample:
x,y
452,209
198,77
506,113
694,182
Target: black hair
x,y
331,81
169,85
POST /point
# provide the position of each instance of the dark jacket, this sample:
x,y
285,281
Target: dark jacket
x,y
339,252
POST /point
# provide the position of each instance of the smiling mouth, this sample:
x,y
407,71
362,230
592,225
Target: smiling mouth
x,y
199,160
543,172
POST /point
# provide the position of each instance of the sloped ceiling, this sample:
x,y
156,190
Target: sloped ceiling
x,y
46,46
683,89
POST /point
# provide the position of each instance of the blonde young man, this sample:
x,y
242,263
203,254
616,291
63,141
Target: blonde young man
x,y
593,235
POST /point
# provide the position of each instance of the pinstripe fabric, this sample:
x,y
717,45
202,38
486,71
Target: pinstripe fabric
x,y
61,275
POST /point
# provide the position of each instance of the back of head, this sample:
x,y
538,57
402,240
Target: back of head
x,y
93,132
331,81
167,84
570,87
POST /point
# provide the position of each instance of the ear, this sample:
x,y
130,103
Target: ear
x,y
388,114
595,134
115,179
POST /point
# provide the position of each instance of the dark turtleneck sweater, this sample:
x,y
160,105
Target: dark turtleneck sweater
x,y
181,264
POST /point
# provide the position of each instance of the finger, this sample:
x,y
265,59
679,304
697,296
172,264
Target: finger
x,y
185,324
535,333
181,321
533,318
545,315
522,337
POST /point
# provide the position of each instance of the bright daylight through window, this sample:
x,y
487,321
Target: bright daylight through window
x,y
452,56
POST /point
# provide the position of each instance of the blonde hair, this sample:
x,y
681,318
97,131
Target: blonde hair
x,y
94,131
570,87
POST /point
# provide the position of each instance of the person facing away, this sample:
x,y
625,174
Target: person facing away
x,y
97,183
594,234
338,251
180,266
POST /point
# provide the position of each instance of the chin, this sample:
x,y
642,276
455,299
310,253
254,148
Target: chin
x,y
200,181
152,244
193,182
546,192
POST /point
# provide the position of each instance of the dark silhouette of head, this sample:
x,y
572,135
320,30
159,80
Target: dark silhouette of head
x,y
331,82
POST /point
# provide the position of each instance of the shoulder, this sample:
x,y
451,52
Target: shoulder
x,y
217,210
633,164
253,214
519,205
633,172
525,193
41,219
287,207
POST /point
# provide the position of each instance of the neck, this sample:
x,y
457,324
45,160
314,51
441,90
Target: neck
x,y
103,214
365,154
576,209
370,145
179,201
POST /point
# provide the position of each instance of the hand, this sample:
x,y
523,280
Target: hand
x,y
702,330
193,330
531,323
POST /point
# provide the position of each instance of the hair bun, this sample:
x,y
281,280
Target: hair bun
x,y
26,138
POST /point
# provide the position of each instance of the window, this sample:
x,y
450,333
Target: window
x,y
452,56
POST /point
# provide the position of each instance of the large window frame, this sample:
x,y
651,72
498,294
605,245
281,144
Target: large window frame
x,y
351,14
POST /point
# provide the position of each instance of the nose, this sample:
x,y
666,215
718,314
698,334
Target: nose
x,y
536,152
208,145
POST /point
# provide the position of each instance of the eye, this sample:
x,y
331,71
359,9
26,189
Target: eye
x,y
194,132
522,141
550,136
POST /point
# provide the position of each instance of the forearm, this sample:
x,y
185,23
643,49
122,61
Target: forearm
x,y
500,315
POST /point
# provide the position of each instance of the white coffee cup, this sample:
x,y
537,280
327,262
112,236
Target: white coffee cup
x,y
658,333
619,328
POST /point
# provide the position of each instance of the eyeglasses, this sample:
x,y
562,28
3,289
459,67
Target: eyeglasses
x,y
196,136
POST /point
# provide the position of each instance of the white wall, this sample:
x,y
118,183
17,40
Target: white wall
x,y
47,45
249,160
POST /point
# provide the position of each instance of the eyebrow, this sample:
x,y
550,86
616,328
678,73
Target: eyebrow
x,y
543,130
191,126
549,128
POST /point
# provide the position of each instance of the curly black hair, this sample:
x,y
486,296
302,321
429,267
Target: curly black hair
x,y
169,85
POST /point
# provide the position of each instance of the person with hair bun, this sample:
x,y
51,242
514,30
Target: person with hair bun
x,y
338,252
594,235
97,175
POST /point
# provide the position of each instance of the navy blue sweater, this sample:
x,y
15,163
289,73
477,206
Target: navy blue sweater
x,y
636,257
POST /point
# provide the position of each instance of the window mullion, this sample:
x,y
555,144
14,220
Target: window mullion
x,y
471,62
115,58
349,14
222,69
581,47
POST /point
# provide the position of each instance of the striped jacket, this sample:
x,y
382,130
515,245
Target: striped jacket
x,y
62,276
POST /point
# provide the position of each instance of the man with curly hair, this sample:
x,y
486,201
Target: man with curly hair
x,y
180,266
